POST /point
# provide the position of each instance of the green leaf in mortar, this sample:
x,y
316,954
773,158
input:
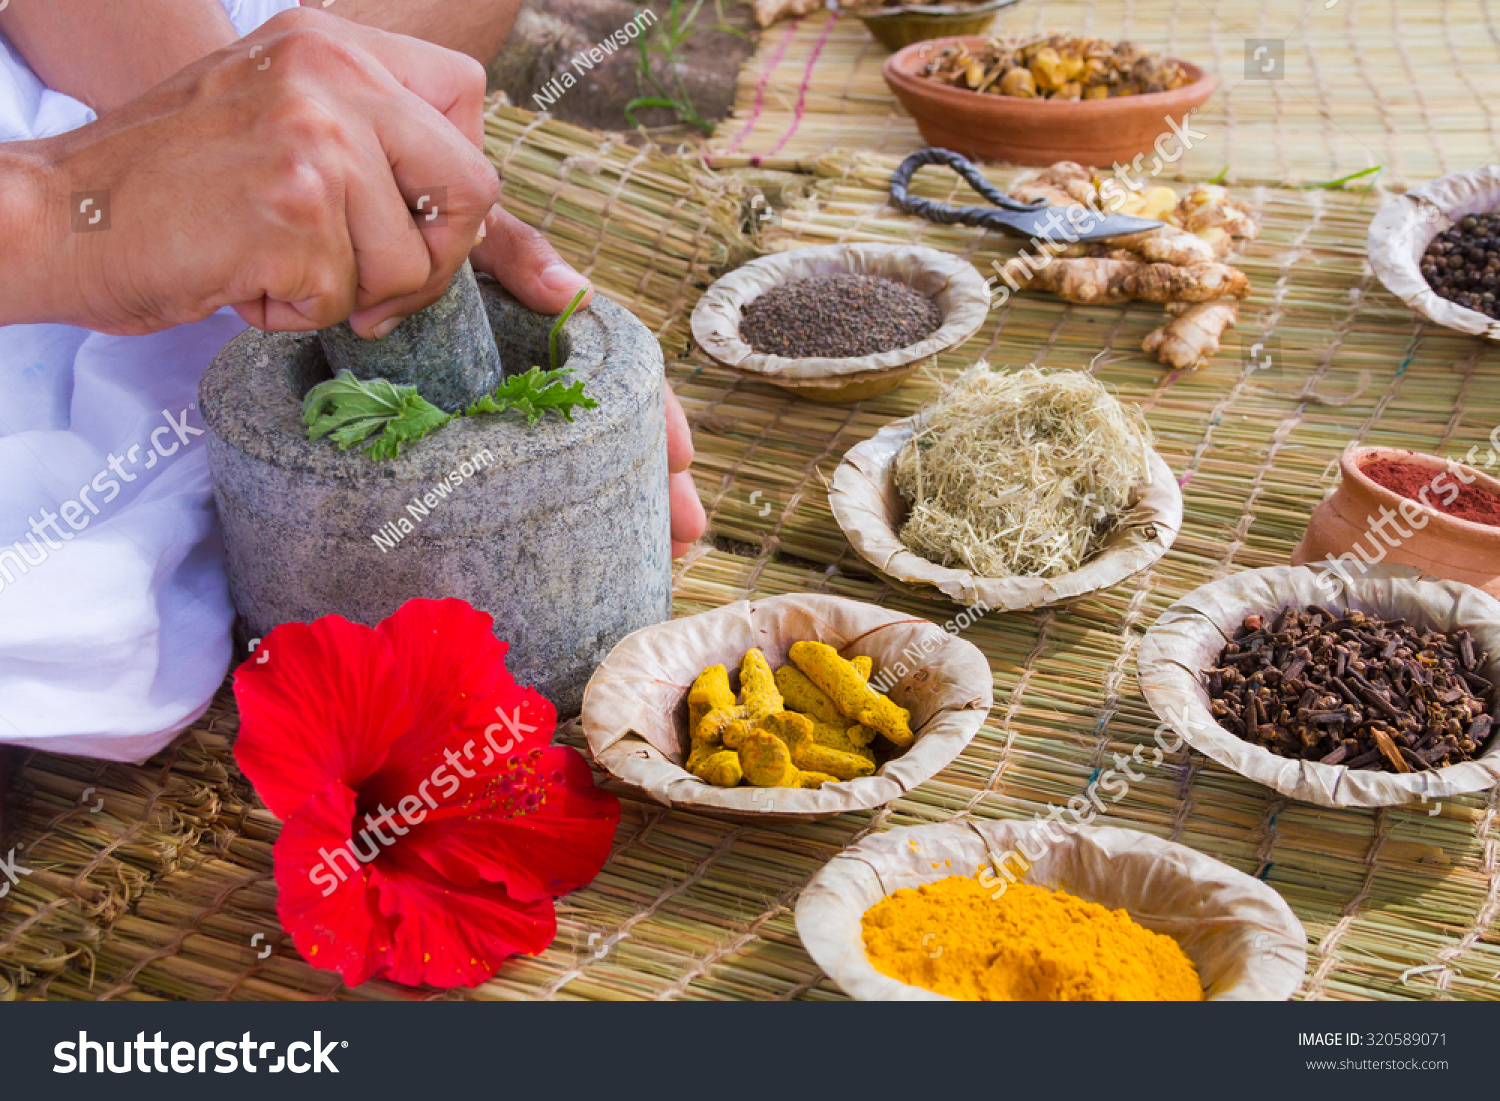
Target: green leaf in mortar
x,y
534,393
350,411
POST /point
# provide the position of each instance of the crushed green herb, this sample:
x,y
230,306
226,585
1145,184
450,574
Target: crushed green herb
x,y
383,417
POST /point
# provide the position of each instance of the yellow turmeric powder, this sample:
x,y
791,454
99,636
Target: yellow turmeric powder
x,y
1031,944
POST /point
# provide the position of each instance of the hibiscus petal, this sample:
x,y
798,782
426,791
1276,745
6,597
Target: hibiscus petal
x,y
330,909
451,659
325,706
448,935
541,828
444,766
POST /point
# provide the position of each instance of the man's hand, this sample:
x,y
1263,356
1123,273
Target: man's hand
x,y
275,176
531,269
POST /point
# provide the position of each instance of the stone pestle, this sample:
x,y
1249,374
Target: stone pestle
x,y
446,351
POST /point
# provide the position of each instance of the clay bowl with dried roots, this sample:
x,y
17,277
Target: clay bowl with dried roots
x,y
635,713
990,127
1403,228
1192,633
953,283
1241,936
1348,527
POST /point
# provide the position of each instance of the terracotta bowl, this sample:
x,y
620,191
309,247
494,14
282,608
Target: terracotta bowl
x,y
1445,546
897,27
1035,131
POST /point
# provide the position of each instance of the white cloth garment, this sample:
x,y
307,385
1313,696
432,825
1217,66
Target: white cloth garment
x,y
114,612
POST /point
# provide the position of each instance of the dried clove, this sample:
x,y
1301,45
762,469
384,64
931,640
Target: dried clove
x,y
1355,690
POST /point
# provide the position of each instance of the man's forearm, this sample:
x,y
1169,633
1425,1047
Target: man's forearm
x,y
107,54
475,27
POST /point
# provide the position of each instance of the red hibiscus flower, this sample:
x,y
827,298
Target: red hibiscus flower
x,y
428,821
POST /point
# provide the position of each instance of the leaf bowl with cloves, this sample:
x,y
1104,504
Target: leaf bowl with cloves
x,y
1334,683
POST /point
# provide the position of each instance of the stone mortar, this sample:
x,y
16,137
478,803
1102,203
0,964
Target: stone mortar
x,y
562,532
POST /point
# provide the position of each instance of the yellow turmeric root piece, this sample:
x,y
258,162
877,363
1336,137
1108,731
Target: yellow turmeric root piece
x,y
800,694
710,728
733,734
766,760
851,694
1186,341
864,665
815,779
710,692
722,769
835,736
700,753
758,689
861,735
808,754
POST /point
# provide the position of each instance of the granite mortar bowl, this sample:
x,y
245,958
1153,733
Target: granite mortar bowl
x,y
559,530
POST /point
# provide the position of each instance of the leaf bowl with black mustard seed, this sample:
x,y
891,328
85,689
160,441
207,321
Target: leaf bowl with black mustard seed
x,y
1334,683
840,323
1437,248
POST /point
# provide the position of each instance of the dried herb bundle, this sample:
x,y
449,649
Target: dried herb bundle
x,y
1021,474
1354,690
1056,66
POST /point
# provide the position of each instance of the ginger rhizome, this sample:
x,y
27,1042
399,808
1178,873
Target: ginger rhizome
x,y
1182,265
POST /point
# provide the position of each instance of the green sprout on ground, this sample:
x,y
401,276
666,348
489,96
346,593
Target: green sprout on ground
x,y
673,32
383,418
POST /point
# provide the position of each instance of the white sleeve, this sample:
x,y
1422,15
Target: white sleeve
x,y
246,15
30,110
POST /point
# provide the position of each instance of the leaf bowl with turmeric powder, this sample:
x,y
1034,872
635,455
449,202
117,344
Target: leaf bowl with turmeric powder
x,y
930,692
1046,911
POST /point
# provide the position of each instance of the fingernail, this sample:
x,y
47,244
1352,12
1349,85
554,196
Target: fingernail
x,y
560,277
384,328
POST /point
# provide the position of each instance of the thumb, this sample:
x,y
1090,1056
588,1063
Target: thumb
x,y
525,264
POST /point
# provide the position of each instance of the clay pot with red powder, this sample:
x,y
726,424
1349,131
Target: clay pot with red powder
x,y
1366,522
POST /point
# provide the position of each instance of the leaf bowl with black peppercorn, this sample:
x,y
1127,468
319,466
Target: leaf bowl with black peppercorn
x,y
1437,248
1344,690
840,323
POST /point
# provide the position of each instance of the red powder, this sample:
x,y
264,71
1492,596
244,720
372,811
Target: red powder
x,y
1473,502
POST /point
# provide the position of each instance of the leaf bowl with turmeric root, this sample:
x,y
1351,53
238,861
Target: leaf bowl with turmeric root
x,y
796,706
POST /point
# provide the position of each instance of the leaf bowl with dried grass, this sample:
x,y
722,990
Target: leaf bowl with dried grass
x,y
1013,491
